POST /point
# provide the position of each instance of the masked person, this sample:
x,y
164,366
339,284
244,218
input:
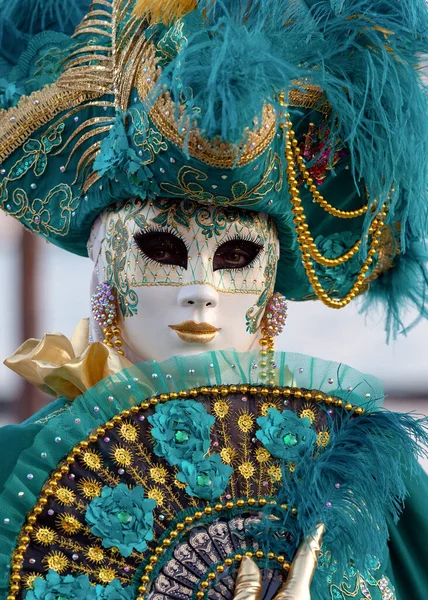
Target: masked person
x,y
213,158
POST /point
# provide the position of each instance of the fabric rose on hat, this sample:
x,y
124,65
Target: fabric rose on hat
x,y
205,478
122,518
181,429
286,435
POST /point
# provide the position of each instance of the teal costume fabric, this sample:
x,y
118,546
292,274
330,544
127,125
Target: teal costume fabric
x,y
95,491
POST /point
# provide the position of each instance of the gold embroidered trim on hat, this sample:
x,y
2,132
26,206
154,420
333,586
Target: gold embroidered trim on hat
x,y
18,123
309,96
215,152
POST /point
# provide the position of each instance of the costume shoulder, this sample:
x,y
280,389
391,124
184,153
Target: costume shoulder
x,y
408,542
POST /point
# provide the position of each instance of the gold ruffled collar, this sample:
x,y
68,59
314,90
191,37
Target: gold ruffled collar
x,y
63,367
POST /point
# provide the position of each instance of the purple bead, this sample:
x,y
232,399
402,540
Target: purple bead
x,y
337,485
72,476
51,512
77,421
121,471
328,504
106,439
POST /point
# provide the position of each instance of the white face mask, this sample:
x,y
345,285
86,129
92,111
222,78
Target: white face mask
x,y
189,278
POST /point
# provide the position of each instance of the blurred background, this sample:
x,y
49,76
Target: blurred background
x,y
46,289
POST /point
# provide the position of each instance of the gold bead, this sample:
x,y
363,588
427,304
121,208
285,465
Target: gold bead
x,y
208,510
229,505
238,557
219,568
148,568
173,534
204,585
188,520
166,542
158,550
218,507
240,503
145,579
180,526
259,554
200,595
198,515
228,562
211,576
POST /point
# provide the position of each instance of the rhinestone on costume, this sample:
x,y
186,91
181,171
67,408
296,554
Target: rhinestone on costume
x,y
30,476
368,396
77,421
121,471
32,561
6,521
191,371
141,418
203,480
43,455
275,316
110,398
57,440
106,439
20,494
62,169
51,512
337,485
75,557
96,409
330,381
103,303
181,437
290,440
33,186
300,370
72,476
168,376
124,517
328,504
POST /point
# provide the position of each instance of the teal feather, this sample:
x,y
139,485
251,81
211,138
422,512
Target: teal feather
x,y
21,20
402,290
365,55
352,486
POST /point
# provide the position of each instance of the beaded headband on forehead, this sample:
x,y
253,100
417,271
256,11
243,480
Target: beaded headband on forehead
x,y
229,104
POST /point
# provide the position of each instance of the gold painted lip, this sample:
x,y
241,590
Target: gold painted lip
x,y
195,333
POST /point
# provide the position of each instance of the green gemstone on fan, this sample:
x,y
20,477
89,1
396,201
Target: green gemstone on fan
x,y
181,437
124,517
203,480
290,440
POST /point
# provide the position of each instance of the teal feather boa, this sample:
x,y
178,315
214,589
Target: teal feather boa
x,y
353,486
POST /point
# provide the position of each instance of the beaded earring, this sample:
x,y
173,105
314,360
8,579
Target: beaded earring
x,y
273,322
104,309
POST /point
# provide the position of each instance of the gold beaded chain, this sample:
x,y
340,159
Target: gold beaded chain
x,y
308,249
113,338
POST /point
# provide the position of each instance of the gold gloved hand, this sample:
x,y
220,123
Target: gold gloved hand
x,y
297,587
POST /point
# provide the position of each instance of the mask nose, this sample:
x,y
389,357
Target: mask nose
x,y
200,297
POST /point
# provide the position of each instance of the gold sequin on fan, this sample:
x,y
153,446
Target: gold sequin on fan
x,y
45,536
309,411
106,575
228,455
159,474
65,496
95,554
121,456
93,460
262,455
221,408
28,580
89,488
274,473
57,561
68,524
264,408
128,432
157,495
247,470
323,438
245,422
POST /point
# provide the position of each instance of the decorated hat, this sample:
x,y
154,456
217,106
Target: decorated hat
x,y
313,112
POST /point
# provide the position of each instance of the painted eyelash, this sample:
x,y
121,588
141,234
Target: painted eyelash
x,y
153,229
164,229
243,238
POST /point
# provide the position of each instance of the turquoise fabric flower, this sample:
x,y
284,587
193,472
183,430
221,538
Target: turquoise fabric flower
x,y
122,518
285,435
115,591
56,587
205,478
181,429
